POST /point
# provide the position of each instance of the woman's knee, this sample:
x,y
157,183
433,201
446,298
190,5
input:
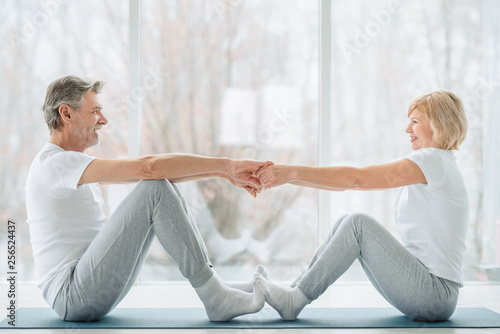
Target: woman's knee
x,y
335,226
360,221
360,216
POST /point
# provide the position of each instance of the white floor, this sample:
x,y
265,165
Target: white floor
x,y
339,295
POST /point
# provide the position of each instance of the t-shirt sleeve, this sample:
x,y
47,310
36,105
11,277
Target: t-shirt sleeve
x,y
430,163
62,171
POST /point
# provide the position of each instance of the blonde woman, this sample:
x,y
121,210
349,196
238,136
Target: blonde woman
x,y
421,275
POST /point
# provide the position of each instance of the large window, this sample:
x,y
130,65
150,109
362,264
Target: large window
x,y
236,79
242,79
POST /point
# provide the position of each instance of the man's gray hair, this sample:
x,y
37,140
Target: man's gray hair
x,y
66,90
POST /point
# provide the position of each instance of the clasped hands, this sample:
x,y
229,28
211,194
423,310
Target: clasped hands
x,y
255,176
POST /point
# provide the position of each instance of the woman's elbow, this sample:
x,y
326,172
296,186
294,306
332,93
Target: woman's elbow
x,y
361,181
356,179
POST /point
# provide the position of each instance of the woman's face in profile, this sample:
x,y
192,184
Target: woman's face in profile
x,y
420,131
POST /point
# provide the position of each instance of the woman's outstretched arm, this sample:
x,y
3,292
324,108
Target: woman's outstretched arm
x,y
394,174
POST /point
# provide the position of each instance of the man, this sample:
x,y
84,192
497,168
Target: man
x,y
86,267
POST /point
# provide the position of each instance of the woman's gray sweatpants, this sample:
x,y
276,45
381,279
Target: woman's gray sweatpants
x,y
401,279
108,269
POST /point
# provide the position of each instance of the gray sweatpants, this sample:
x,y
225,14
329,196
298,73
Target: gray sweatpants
x,y
108,269
401,279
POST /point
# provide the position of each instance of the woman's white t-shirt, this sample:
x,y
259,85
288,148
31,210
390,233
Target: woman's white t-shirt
x,y
63,217
432,218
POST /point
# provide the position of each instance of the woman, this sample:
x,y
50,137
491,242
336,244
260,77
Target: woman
x,y
420,276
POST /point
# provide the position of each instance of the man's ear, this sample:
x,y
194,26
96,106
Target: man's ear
x,y
65,113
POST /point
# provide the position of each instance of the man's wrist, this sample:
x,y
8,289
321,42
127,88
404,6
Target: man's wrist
x,y
220,174
226,166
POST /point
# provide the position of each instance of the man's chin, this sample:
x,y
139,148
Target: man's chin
x,y
93,143
96,140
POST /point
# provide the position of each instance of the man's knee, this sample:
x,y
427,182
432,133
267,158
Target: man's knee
x,y
155,186
157,189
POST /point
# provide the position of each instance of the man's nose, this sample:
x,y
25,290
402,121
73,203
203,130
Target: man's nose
x,y
103,120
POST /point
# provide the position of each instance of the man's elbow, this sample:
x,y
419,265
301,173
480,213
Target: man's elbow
x,y
149,168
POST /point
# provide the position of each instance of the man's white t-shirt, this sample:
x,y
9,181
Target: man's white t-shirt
x,y
63,217
432,218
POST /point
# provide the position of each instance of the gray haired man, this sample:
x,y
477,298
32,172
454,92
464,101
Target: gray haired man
x,y
87,264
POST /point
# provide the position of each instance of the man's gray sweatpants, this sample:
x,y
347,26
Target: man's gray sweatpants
x,y
398,275
108,269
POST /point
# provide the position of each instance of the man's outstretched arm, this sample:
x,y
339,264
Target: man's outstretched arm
x,y
176,167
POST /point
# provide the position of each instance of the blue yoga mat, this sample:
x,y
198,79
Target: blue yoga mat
x,y
266,319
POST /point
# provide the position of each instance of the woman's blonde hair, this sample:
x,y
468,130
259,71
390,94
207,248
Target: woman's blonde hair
x,y
445,112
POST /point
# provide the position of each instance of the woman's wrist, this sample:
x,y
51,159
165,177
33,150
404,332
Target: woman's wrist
x,y
292,173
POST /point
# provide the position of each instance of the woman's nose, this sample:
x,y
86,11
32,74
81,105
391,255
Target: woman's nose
x,y
409,128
